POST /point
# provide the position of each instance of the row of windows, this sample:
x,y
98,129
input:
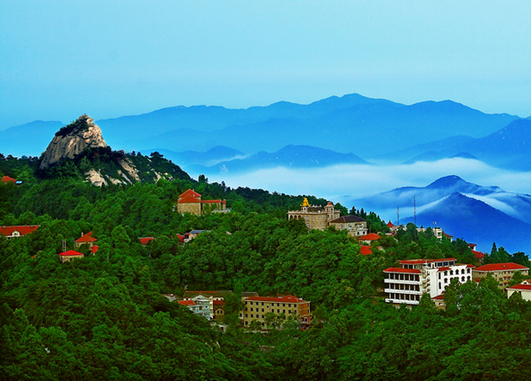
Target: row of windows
x,y
463,280
409,287
456,272
404,296
268,304
403,277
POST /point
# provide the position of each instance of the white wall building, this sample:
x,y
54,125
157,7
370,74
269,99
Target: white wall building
x,y
415,277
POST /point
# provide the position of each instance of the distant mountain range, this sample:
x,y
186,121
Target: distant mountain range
x,y
290,157
376,130
339,124
479,214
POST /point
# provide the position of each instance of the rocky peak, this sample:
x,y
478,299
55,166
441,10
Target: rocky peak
x,y
72,139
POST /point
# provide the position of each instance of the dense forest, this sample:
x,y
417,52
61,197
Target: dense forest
x,y
104,317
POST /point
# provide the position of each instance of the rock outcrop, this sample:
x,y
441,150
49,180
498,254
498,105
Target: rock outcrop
x,y
71,140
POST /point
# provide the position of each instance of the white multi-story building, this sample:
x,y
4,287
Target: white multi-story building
x,y
415,277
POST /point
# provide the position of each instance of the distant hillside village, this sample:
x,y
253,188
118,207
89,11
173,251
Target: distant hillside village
x,y
403,285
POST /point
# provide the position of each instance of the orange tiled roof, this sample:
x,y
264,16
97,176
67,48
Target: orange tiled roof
x,y
522,286
190,192
186,302
94,248
188,199
478,254
401,270
419,261
71,253
501,267
276,299
370,237
211,201
23,229
146,240
7,179
365,250
86,238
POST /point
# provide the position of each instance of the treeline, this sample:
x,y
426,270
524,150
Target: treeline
x,y
104,316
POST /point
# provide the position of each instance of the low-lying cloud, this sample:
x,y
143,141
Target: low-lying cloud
x,y
343,183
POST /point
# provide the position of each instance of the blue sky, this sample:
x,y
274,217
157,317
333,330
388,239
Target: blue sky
x,y
111,58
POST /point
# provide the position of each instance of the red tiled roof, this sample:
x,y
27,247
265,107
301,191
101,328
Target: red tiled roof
x,y
188,199
7,179
469,265
390,225
520,286
365,250
478,254
94,248
219,302
190,192
211,201
279,299
445,268
86,238
71,253
369,237
146,240
448,235
186,302
501,267
23,229
419,261
401,270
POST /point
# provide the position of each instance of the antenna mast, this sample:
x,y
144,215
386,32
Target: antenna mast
x,y
397,216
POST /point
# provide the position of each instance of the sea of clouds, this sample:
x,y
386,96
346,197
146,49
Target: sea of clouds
x,y
343,183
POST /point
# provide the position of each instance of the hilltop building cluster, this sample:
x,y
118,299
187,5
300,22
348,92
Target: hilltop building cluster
x,y
191,202
318,217
259,312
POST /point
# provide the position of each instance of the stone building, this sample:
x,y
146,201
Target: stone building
x,y
316,217
190,202
356,226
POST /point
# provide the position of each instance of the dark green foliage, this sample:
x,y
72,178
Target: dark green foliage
x,y
104,316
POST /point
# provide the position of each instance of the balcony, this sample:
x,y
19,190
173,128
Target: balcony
x,y
401,301
400,281
405,292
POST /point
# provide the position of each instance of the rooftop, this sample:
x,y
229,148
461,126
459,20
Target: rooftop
x,y
421,261
279,299
71,253
401,270
370,237
22,229
347,219
365,250
501,267
86,238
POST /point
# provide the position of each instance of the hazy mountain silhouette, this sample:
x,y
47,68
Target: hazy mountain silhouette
x,y
208,158
290,157
475,221
463,209
507,148
30,139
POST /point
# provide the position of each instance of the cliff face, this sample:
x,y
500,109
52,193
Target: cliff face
x,y
71,140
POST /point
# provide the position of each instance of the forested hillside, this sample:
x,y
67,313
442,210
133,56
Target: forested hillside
x,y
104,316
